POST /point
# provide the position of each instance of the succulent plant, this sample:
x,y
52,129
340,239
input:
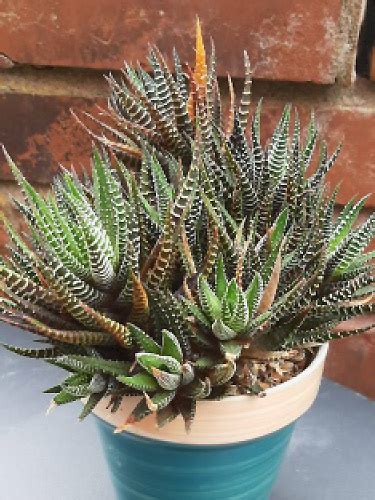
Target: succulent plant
x,y
193,262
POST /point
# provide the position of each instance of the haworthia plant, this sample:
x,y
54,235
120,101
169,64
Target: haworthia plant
x,y
191,247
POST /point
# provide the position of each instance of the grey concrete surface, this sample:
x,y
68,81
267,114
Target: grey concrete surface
x,y
331,456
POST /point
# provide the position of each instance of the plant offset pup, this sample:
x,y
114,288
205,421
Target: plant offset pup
x,y
195,263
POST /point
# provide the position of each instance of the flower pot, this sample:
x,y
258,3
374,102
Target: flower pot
x,y
233,451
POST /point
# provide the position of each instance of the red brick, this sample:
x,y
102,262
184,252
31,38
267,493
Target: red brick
x,y
40,132
356,165
351,361
286,39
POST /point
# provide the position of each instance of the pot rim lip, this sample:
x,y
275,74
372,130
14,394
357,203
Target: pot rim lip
x,y
301,379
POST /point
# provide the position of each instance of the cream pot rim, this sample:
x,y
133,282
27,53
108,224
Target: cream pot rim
x,y
232,419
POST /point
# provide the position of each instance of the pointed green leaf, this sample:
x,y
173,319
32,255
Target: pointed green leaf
x,y
209,302
166,380
149,361
171,346
166,415
64,397
91,365
222,331
254,293
220,279
145,342
240,315
45,352
344,223
231,295
231,350
90,404
141,381
279,229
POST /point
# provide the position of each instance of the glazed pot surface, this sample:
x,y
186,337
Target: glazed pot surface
x,y
145,469
233,451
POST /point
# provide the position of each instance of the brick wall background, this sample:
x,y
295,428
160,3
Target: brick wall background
x,y
53,55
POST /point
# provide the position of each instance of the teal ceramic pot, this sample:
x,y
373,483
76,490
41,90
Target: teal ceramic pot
x,y
233,451
143,468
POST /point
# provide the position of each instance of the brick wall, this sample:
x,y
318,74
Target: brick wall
x,y
53,55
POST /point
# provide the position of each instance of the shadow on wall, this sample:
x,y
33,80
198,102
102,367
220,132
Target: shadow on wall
x,y
366,45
